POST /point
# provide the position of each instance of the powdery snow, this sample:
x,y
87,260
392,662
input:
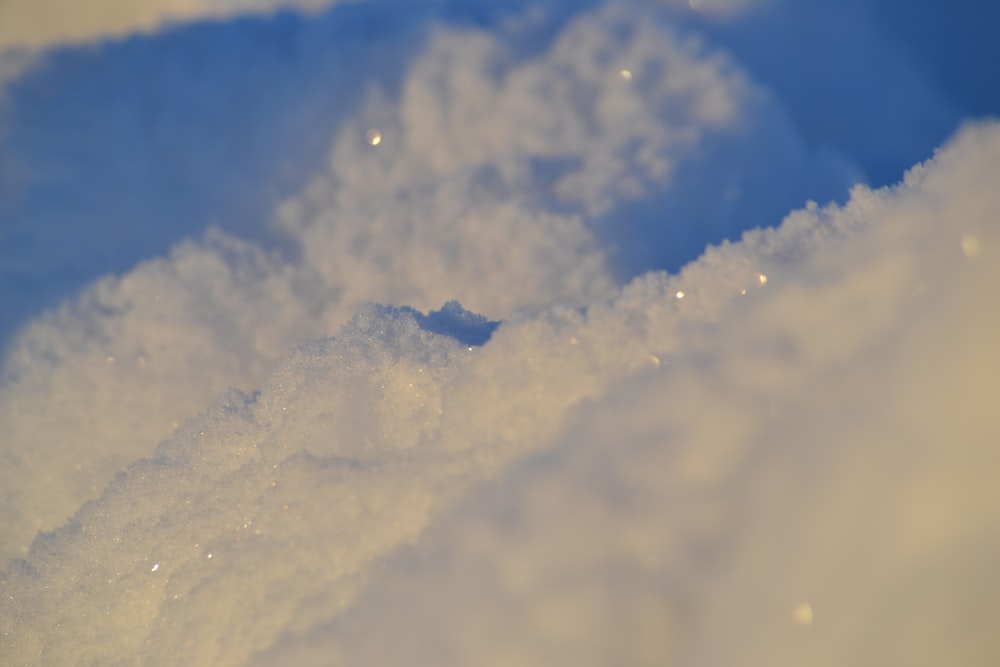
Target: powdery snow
x,y
781,454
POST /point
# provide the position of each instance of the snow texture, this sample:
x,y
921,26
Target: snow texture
x,y
571,433
487,187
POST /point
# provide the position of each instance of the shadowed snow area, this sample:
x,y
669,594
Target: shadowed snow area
x,y
451,334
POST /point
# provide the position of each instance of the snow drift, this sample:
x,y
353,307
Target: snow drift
x,y
536,450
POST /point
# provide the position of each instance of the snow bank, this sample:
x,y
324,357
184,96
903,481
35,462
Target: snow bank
x,y
784,454
807,477
781,454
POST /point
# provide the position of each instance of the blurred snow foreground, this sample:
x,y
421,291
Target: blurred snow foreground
x,y
785,454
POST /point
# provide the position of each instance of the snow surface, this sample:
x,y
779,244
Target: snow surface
x,y
42,23
216,448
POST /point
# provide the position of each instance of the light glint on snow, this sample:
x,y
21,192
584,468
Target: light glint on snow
x,y
970,246
803,614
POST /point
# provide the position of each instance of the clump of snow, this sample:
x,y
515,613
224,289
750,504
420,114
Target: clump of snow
x,y
243,502
563,149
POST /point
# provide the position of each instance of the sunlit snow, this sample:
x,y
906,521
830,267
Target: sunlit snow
x,y
473,333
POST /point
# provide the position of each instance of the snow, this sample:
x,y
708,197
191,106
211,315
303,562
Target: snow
x,y
662,408
51,22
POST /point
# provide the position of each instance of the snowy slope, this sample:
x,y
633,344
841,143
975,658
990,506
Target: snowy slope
x,y
215,448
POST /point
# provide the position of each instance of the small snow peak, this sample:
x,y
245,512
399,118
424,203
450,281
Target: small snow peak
x,y
456,322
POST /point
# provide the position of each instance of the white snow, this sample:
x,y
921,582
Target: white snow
x,y
228,452
805,478
43,23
